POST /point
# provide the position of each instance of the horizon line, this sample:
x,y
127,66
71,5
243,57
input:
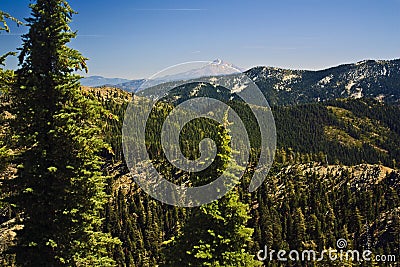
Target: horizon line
x,y
258,66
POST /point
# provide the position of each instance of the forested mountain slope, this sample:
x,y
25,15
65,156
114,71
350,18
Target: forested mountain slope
x,y
370,79
335,176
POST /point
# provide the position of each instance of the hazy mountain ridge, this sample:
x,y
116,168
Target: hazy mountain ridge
x,y
130,86
94,81
369,78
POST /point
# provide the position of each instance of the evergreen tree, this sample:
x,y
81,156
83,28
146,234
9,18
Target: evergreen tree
x,y
59,188
4,16
299,228
216,234
6,79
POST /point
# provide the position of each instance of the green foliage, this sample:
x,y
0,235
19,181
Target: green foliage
x,y
6,79
215,234
60,193
293,210
342,131
3,21
60,188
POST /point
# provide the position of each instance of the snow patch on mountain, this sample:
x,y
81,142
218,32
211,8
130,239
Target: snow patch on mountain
x,y
289,77
350,85
238,88
357,94
326,80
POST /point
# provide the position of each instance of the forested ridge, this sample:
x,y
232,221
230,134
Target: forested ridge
x,y
68,198
321,187
301,192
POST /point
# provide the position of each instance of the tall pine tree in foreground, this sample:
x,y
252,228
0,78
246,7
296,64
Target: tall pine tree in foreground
x,y
59,188
6,79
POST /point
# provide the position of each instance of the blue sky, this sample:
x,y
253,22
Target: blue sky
x,y
134,39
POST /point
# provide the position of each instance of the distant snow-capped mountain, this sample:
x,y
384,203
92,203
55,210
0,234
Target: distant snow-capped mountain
x,y
379,79
217,67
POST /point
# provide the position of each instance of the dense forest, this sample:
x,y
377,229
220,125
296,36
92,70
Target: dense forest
x,y
321,188
68,198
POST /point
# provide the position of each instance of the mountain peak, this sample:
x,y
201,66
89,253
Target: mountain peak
x,y
221,62
218,61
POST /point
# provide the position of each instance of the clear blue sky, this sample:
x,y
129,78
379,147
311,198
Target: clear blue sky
x,y
134,39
